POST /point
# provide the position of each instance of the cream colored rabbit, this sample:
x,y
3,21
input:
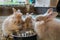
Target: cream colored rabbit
x,y
47,26
28,21
12,23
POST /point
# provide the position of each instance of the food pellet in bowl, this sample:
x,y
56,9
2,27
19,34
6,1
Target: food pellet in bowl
x,y
26,35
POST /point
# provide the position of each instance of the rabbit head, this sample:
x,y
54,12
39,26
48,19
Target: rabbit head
x,y
28,17
49,15
17,15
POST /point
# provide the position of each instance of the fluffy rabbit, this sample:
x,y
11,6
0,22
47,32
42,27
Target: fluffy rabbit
x,y
28,21
12,23
47,26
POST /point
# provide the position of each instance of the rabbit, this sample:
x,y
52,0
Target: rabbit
x,y
28,21
12,23
47,26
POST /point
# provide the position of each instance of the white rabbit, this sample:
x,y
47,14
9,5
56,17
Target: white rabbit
x,y
12,23
47,26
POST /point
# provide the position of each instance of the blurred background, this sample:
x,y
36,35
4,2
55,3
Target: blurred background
x,y
35,6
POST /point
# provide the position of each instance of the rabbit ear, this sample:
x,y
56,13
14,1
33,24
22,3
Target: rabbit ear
x,y
18,10
14,10
51,16
27,13
50,10
31,13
